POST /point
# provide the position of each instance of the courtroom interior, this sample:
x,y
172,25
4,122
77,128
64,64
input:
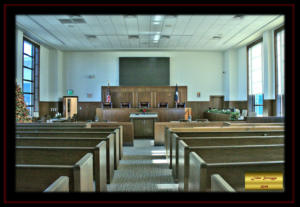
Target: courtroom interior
x,y
149,102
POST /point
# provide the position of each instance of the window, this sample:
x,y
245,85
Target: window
x,y
255,78
280,68
30,80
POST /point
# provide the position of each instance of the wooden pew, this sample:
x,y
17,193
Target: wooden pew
x,y
200,173
111,128
59,185
159,129
127,128
97,146
37,177
218,131
116,130
56,124
219,141
107,136
225,154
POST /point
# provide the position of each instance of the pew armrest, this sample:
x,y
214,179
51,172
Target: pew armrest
x,y
60,185
83,174
218,184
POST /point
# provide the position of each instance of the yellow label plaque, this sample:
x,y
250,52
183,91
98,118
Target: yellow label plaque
x,y
263,181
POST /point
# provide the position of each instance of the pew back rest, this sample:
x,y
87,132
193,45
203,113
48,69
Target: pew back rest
x,y
37,155
240,153
59,142
36,178
59,185
62,134
217,141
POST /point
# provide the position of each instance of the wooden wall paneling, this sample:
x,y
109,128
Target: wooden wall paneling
x,y
151,94
217,102
45,108
198,108
87,110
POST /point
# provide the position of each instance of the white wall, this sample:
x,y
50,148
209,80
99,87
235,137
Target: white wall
x,y
235,74
235,68
200,71
51,74
269,65
19,53
51,69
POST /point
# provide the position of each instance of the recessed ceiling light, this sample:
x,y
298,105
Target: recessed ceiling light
x,y
90,37
156,23
165,37
217,37
133,37
65,21
157,18
156,37
238,16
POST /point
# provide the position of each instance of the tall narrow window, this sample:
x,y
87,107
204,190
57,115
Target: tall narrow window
x,y
255,78
30,79
280,68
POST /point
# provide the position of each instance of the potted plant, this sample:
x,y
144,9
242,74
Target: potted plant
x,y
143,110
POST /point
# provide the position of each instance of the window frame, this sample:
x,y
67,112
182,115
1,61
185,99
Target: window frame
x,y
35,68
276,31
251,98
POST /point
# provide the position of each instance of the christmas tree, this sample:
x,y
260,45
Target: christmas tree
x,y
22,113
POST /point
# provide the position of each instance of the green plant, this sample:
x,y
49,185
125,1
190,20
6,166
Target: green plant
x,y
144,110
234,116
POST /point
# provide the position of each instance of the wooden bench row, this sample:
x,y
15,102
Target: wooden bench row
x,y
197,154
46,152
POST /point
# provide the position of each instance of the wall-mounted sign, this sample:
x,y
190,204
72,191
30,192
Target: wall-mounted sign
x,y
70,92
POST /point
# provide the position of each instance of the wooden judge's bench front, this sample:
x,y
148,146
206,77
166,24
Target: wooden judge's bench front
x,y
134,95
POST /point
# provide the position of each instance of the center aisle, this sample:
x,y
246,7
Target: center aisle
x,y
143,168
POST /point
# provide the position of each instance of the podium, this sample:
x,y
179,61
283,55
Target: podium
x,y
143,124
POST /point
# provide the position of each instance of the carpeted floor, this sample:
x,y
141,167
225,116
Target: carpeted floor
x,y
143,168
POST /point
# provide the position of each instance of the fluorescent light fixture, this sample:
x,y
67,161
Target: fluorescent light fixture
x,y
159,161
156,37
157,18
156,23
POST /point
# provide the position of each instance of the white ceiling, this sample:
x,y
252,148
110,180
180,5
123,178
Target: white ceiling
x,y
186,32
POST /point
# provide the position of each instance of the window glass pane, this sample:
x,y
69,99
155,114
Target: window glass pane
x,y
27,48
27,86
28,99
27,74
259,110
27,61
255,69
259,99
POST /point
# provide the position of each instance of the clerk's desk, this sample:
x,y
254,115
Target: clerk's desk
x,y
122,114
143,124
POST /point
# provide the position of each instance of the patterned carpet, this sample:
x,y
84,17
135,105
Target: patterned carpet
x,y
143,168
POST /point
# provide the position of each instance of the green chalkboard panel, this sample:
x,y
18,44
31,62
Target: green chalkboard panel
x,y
144,71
